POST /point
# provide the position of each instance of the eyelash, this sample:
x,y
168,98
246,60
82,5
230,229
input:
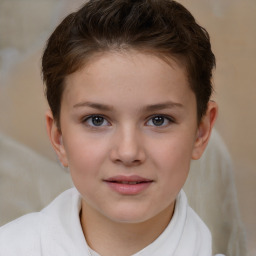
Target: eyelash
x,y
166,118
88,118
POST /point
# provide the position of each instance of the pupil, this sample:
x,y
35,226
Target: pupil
x,y
97,120
158,120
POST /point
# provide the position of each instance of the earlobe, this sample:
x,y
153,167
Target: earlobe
x,y
204,130
55,137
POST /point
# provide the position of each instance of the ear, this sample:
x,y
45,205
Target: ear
x,y
204,130
55,137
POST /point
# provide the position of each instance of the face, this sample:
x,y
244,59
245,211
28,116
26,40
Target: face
x,y
128,132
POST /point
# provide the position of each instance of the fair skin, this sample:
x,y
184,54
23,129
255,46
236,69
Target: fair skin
x,y
128,133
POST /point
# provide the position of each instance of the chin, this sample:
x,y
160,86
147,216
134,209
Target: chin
x,y
131,216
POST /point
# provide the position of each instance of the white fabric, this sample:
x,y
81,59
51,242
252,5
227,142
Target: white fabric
x,y
56,230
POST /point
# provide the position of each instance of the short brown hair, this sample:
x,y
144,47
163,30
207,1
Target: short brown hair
x,y
160,26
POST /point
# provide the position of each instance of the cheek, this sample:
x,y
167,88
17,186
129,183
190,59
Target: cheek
x,y
85,155
172,159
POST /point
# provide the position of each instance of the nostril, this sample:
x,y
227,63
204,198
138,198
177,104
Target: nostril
x,y
136,162
127,162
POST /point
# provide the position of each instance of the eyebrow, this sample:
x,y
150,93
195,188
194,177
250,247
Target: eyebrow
x,y
154,107
164,105
93,105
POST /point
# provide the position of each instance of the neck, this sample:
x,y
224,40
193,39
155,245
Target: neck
x,y
110,238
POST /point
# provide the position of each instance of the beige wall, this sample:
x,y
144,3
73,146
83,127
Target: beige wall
x,y
232,26
25,24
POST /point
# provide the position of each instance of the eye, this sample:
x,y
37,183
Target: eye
x,y
159,121
96,121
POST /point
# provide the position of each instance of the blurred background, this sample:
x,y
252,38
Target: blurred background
x,y
26,24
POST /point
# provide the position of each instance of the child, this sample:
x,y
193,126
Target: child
x,y
129,85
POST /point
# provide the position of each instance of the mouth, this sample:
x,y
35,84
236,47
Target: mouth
x,y
129,182
132,180
128,185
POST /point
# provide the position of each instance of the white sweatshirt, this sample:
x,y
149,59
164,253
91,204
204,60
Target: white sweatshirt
x,y
56,231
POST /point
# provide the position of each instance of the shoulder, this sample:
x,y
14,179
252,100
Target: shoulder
x,y
195,230
195,234
69,199
193,223
35,233
21,235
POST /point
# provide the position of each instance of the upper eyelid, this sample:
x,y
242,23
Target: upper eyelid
x,y
170,118
84,118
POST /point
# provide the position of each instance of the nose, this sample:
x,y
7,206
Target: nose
x,y
128,148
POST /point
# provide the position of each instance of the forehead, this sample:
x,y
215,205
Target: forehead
x,y
129,61
128,74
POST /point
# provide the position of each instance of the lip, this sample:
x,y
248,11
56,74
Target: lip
x,y
128,185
